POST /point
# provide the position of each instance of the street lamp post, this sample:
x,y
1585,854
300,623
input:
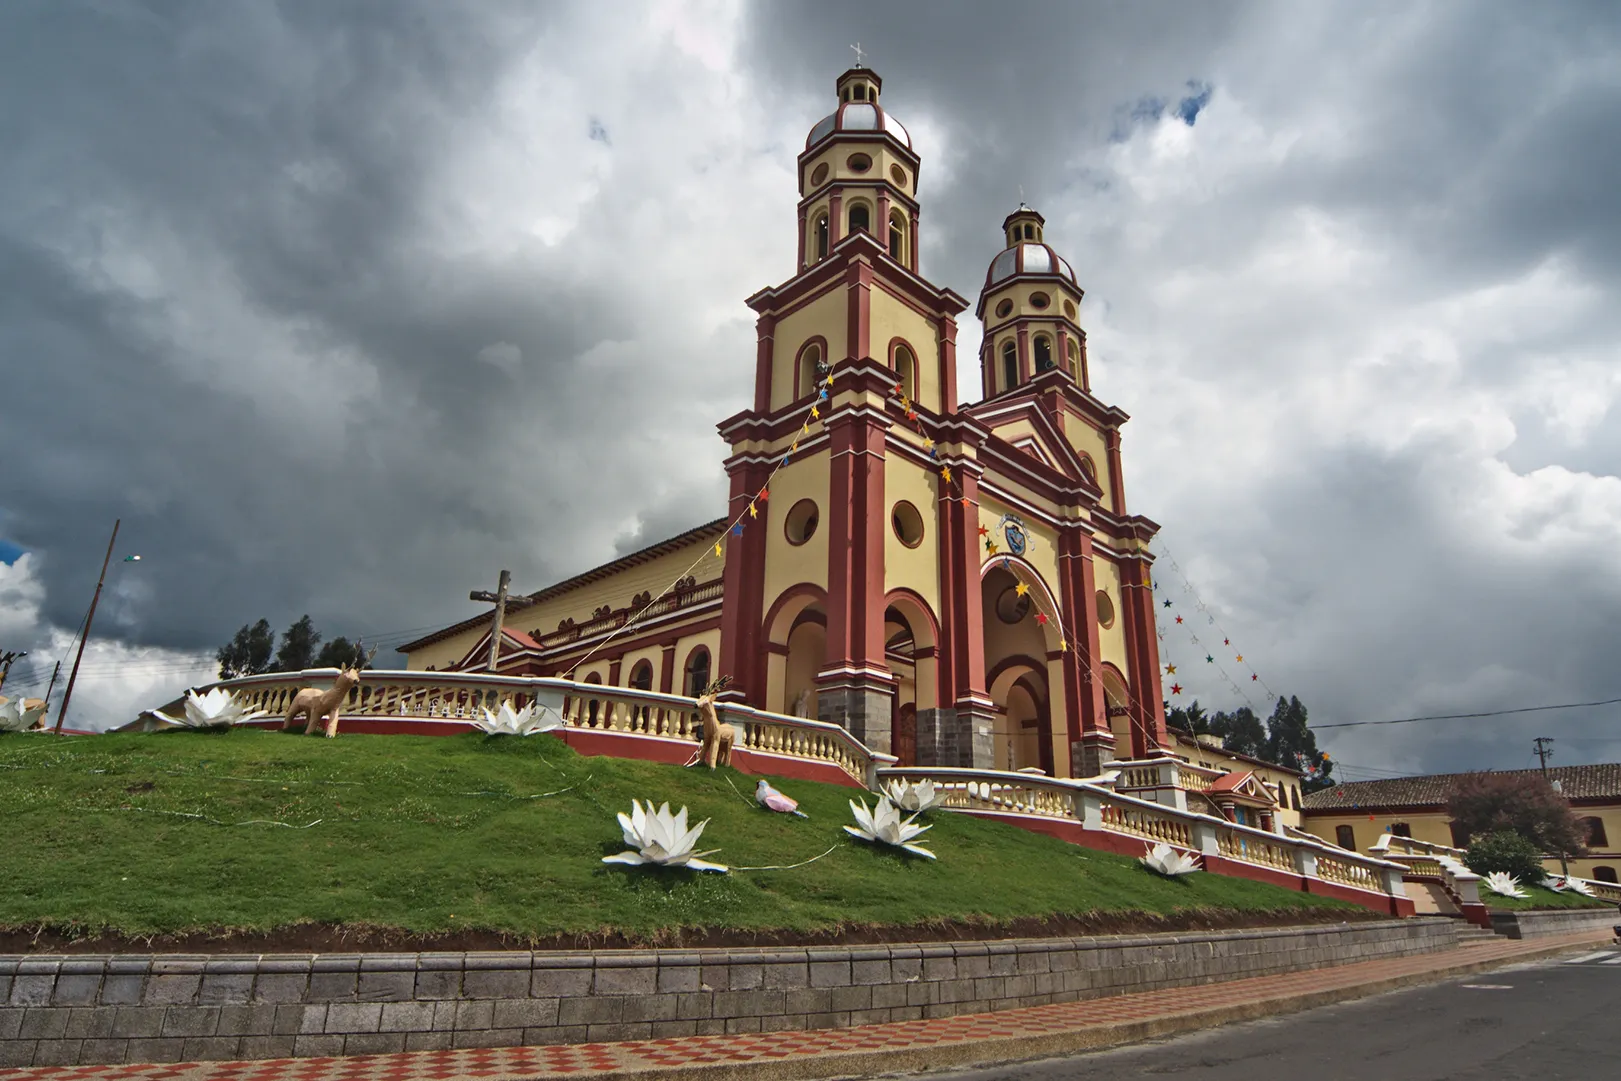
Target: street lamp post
x,y
73,675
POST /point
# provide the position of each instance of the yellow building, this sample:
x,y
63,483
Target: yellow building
x,y
1354,814
958,584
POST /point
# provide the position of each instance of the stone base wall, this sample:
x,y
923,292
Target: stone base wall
x,y
1557,922
71,1010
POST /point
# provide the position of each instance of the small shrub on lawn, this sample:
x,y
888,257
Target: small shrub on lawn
x,y
1505,851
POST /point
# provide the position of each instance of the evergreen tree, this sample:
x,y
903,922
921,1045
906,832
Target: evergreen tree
x,y
1289,742
1241,732
1189,719
248,653
298,644
341,653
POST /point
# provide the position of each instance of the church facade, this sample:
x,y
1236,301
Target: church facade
x,y
956,584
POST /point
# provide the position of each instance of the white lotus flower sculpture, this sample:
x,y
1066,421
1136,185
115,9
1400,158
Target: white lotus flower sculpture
x,y
1574,885
1504,884
915,796
527,721
20,714
883,824
662,839
1162,859
216,709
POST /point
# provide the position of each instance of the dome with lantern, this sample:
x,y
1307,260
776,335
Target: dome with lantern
x,y
858,111
1026,252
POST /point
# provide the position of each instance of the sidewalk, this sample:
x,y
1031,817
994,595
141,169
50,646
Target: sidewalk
x,y
902,1046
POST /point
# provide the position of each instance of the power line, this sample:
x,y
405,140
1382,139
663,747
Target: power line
x,y
1463,716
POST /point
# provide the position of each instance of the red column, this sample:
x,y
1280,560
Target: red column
x,y
1091,740
1147,706
855,572
742,605
858,336
948,364
1117,481
881,226
765,330
802,260
835,219
667,670
911,249
1024,354
967,631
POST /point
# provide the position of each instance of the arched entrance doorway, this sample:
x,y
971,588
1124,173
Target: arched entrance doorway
x,y
911,649
796,649
1017,647
1117,699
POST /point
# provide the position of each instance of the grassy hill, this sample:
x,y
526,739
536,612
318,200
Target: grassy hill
x,y
186,832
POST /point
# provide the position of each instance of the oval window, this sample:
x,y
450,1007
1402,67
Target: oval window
x,y
1069,308
898,175
1010,607
819,175
858,163
907,523
1039,300
1004,309
1105,610
800,525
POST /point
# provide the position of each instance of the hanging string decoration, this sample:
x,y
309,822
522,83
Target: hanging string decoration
x,y
1193,604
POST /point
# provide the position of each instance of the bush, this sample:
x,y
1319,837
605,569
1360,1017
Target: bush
x,y
1506,850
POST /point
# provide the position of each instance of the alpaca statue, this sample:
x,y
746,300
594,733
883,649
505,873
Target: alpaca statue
x,y
314,704
718,737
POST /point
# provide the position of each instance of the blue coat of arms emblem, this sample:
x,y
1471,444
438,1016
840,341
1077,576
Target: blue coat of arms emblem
x,y
1013,532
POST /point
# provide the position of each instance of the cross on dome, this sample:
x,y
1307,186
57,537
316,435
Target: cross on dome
x,y
859,54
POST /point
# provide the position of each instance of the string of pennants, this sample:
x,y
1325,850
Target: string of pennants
x,y
1185,614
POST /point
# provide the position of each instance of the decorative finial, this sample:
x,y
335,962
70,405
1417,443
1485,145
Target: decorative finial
x,y
859,54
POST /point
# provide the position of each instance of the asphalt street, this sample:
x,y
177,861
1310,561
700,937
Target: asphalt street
x,y
1548,1020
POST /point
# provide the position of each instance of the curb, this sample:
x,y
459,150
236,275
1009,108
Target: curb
x,y
994,1052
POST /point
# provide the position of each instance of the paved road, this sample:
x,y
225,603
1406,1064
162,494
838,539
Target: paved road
x,y
1550,1020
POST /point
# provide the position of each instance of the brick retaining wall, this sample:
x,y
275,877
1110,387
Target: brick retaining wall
x,y
70,1010
1554,922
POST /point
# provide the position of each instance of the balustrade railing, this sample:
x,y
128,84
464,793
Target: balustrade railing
x,y
462,697
1096,807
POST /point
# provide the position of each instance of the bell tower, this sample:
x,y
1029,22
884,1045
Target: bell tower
x,y
855,379
1030,308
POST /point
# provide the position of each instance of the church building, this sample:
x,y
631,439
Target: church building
x,y
956,584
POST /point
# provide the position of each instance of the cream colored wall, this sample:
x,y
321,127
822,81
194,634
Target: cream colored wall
x,y
786,564
827,315
615,591
1086,439
891,319
1111,640
685,645
1429,827
806,646
917,569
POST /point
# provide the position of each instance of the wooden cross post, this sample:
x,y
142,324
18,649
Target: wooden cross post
x,y
502,602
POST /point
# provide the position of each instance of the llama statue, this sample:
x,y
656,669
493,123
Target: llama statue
x,y
314,704
718,737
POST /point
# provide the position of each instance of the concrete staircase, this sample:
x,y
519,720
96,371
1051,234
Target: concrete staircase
x,y
1470,935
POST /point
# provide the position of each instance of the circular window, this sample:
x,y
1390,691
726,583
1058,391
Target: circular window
x,y
1004,309
1105,610
1069,308
1010,607
898,175
907,523
800,525
819,175
1039,300
858,163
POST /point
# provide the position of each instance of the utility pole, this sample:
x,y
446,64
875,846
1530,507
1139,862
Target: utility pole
x,y
6,660
51,687
1545,750
68,694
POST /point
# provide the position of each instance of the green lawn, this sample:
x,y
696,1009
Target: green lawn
x,y
437,834
1539,897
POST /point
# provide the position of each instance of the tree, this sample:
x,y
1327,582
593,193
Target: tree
x,y
1505,851
1241,732
1189,719
248,653
298,644
1289,742
340,653
1524,803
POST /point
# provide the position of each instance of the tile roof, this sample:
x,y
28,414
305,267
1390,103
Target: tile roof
x,y
1601,781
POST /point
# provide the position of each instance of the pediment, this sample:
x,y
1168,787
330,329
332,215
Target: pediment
x,y
1025,427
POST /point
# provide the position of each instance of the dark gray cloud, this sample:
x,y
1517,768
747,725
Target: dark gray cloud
x,y
343,307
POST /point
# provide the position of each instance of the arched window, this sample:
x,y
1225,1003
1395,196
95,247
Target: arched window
x,y
821,237
641,677
1345,837
906,372
1044,352
806,381
1596,836
1010,365
1604,874
1294,796
860,218
897,237
595,704
696,677
1074,358
1029,232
